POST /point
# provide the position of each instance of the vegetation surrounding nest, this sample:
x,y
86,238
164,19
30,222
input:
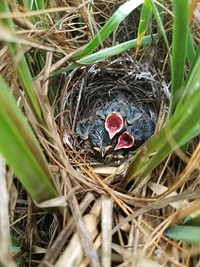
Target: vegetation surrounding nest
x,y
57,209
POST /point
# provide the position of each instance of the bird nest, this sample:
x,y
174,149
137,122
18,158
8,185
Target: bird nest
x,y
113,86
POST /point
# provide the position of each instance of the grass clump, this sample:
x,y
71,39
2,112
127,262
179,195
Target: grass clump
x,y
61,208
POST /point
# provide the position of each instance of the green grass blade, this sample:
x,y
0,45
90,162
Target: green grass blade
x,y
159,18
143,24
21,150
177,131
103,54
34,5
193,64
192,78
192,220
179,49
16,245
192,81
189,234
181,128
21,66
160,5
190,48
111,25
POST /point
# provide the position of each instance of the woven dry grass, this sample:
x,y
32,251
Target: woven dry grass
x,y
99,224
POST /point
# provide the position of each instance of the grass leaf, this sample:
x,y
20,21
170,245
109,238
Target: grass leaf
x,y
143,24
111,25
180,129
190,48
193,220
192,78
21,66
104,54
33,5
21,149
159,18
179,49
189,234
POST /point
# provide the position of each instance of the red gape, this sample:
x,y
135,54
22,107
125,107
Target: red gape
x,y
125,140
113,124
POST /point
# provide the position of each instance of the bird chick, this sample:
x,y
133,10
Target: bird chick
x,y
83,128
136,134
99,138
117,114
113,113
112,106
114,122
133,113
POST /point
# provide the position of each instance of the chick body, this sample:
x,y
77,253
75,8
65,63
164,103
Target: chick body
x,y
99,138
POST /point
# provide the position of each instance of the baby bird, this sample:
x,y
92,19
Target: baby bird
x,y
115,123
133,113
83,128
113,113
136,134
112,106
93,129
99,138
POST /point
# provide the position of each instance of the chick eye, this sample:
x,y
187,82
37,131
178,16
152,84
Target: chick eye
x,y
96,148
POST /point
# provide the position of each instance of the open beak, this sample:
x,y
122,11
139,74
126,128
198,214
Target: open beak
x,y
113,124
125,140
